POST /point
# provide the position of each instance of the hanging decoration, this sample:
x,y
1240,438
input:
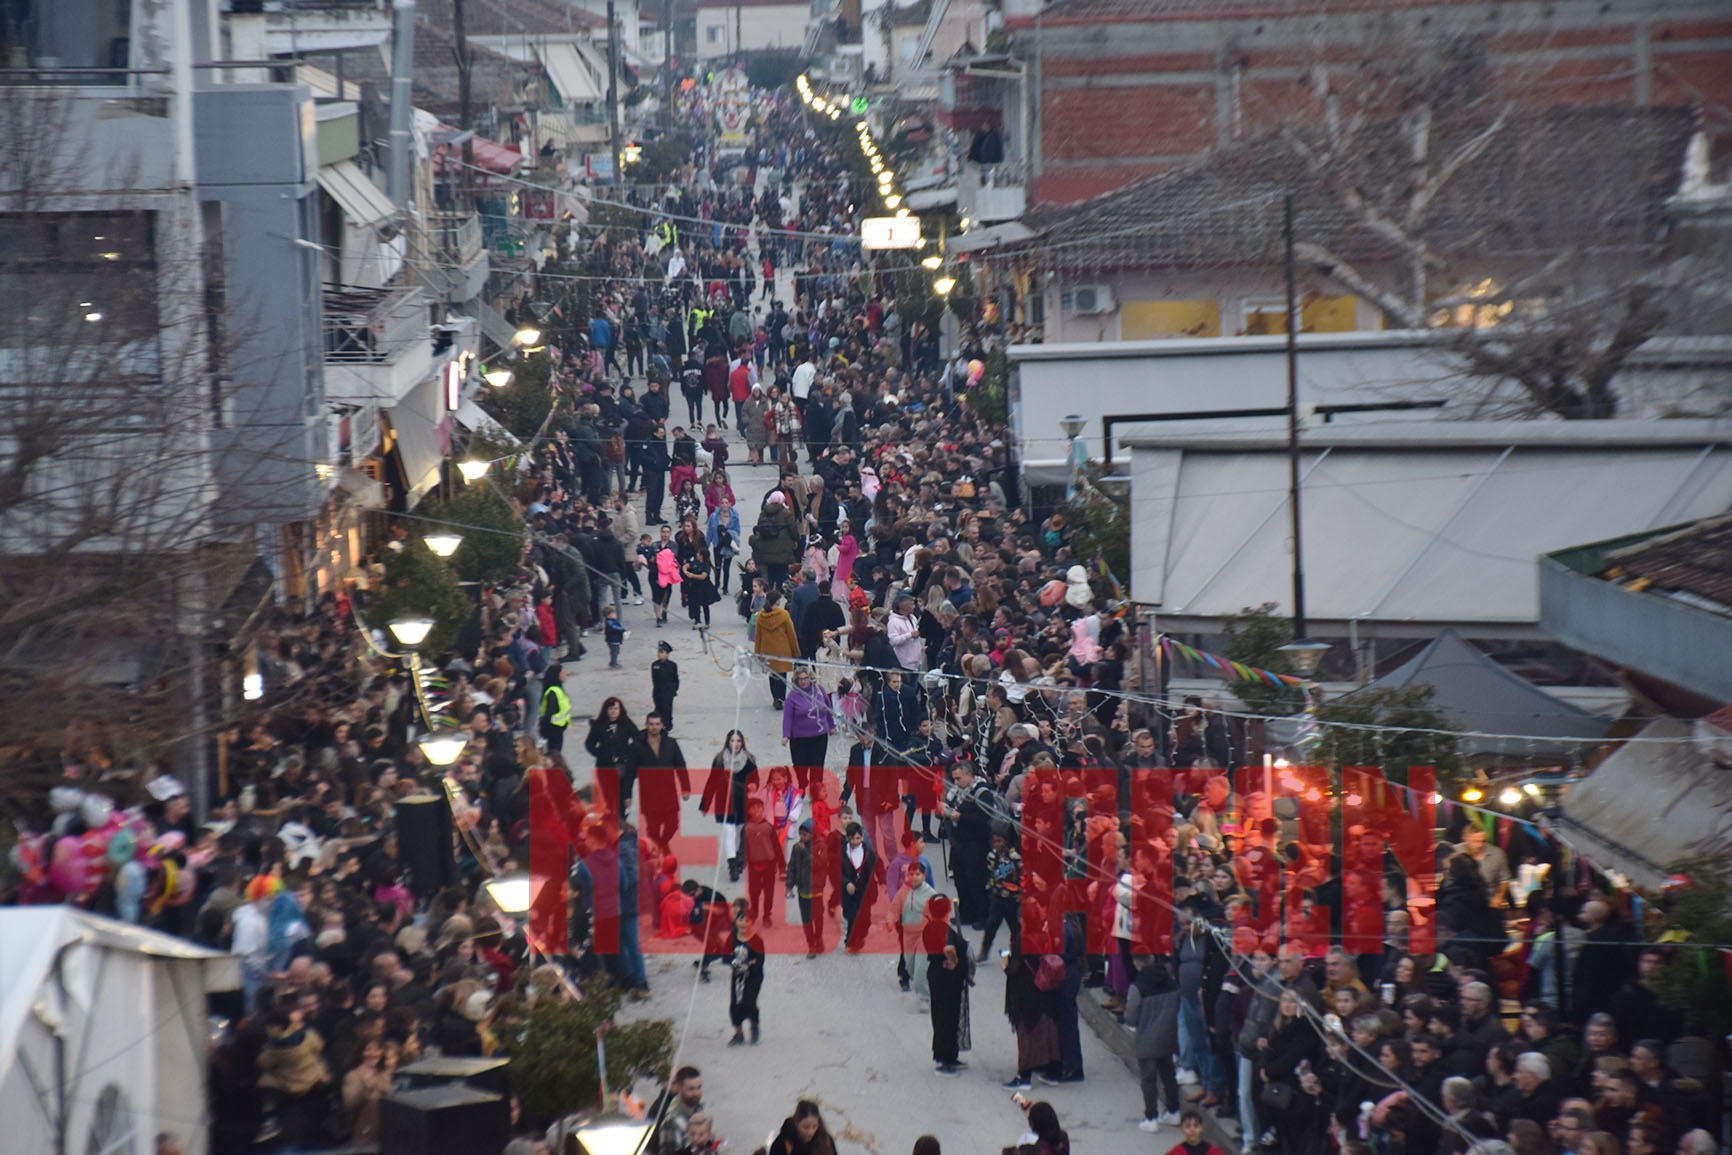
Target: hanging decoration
x,y
1227,666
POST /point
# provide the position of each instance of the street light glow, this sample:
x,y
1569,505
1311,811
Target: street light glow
x,y
498,378
943,285
472,470
410,632
443,544
527,336
442,748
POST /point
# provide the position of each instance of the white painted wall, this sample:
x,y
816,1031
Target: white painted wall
x,y
1190,376
761,26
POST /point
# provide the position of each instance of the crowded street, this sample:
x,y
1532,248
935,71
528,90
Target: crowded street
x,y
717,703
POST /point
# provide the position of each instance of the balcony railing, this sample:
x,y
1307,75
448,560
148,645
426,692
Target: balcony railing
x,y
458,235
373,326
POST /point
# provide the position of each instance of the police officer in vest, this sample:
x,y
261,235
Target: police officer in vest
x,y
555,710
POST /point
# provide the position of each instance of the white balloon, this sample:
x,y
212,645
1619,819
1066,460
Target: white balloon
x,y
95,810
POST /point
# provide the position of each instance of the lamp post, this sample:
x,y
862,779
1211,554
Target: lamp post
x,y
1304,653
1072,424
440,748
473,471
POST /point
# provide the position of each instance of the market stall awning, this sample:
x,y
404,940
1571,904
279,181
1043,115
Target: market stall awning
x,y
418,448
570,73
489,155
1650,804
362,202
477,420
494,326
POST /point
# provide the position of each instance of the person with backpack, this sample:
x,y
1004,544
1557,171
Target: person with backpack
x,y
775,540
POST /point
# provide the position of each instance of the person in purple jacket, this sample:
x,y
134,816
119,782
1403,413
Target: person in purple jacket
x,y
807,719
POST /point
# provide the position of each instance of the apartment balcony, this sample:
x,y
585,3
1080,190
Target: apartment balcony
x,y
461,256
377,344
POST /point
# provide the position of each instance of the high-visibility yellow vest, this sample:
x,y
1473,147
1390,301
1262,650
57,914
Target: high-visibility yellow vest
x,y
561,715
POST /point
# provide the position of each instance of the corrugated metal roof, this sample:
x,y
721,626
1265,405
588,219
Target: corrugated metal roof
x,y
1401,532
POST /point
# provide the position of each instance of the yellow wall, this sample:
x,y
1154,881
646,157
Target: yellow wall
x,y
1329,314
1316,315
1142,320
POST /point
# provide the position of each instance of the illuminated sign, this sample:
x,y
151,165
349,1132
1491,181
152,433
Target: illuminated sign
x,y
890,233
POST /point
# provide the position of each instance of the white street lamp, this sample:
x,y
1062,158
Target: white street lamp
x,y
943,285
410,632
443,544
528,335
609,1134
498,378
1305,655
510,891
443,747
472,470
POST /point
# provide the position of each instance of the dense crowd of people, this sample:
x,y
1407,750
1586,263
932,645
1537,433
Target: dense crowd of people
x,y
950,675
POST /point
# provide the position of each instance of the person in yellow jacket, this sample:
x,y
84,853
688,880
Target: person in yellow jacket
x,y
555,710
774,632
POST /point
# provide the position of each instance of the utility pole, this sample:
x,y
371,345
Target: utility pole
x,y
739,38
1293,420
668,57
465,118
613,92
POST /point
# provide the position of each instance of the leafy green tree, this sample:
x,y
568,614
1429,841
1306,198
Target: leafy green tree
x,y
990,400
522,406
417,583
1694,980
1100,529
1255,636
554,1067
491,528
1409,715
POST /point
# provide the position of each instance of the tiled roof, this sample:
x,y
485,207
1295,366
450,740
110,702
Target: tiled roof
x,y
1692,565
1548,181
495,80
1102,11
514,17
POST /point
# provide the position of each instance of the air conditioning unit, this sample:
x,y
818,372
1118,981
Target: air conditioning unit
x,y
1088,299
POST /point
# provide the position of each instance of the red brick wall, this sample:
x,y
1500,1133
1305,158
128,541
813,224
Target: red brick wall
x,y
1101,129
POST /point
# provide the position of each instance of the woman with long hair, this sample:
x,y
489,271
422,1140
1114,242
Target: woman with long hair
x,y
733,776
1049,1137
609,742
803,1133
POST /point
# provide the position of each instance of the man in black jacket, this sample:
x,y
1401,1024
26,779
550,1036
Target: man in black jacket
x,y
653,457
970,815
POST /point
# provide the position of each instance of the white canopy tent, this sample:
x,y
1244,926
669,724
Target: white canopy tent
x,y
103,1033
